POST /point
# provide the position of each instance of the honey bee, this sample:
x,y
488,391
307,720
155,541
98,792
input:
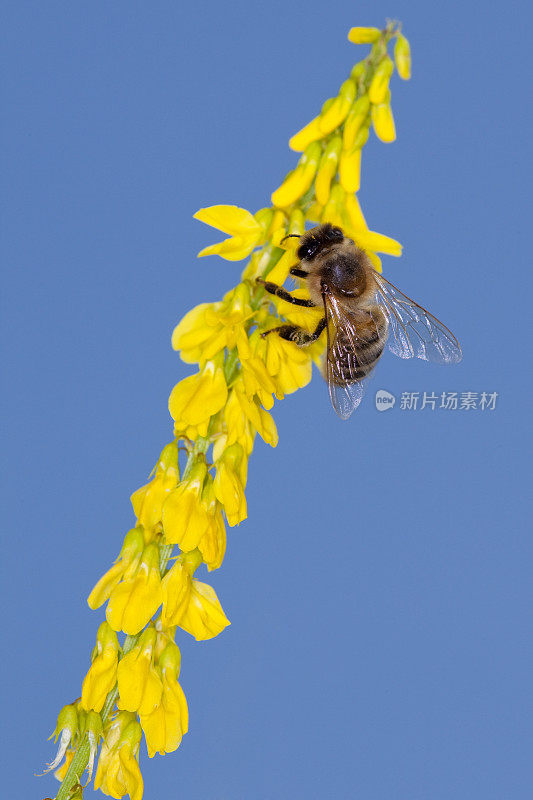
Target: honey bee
x,y
362,312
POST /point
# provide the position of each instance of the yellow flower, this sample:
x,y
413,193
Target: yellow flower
x,y
190,604
169,721
309,133
136,599
212,545
355,120
211,327
299,180
139,684
185,518
203,617
177,588
127,561
118,770
402,57
379,84
289,366
327,170
148,500
197,398
245,231
350,170
101,677
229,483
337,112
363,35
383,122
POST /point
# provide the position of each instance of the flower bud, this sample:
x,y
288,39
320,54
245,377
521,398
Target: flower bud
x,y
380,81
402,57
363,35
300,179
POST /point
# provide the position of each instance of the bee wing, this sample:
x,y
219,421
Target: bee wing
x,y
413,331
341,337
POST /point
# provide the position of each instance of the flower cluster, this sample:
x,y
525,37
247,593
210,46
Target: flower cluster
x,y
198,485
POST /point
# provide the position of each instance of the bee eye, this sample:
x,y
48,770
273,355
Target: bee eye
x,y
307,250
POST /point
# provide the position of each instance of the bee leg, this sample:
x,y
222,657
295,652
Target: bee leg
x,y
279,291
292,333
298,273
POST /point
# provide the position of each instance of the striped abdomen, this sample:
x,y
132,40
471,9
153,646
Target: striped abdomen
x,y
357,350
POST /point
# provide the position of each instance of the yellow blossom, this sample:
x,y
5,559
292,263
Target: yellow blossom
x,y
327,169
136,599
402,57
101,677
203,617
139,684
148,501
350,170
169,721
230,482
126,563
363,35
354,121
245,232
118,770
383,122
196,398
211,327
380,82
339,108
298,181
309,133
212,545
177,588
185,518
190,604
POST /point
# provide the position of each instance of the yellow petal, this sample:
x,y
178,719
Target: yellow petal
x,y
135,601
338,110
354,121
298,181
203,617
383,122
229,219
310,133
350,171
139,686
105,585
177,587
402,57
196,398
99,681
363,35
192,323
379,84
370,240
234,249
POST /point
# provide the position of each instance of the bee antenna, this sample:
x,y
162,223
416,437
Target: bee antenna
x,y
288,236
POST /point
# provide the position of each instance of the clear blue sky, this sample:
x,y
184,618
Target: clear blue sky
x,y
380,590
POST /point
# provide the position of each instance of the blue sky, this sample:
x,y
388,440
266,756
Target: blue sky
x,y
379,591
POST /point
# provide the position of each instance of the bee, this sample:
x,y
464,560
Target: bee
x,y
363,311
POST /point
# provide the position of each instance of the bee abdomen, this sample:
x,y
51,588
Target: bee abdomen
x,y
356,359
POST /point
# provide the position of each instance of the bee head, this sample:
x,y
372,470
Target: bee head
x,y
315,240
